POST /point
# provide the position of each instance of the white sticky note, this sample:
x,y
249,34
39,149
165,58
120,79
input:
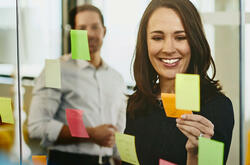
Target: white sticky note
x,y
52,73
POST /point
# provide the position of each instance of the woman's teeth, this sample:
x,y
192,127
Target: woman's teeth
x,y
170,61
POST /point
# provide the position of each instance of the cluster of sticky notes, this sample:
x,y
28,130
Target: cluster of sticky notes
x,y
79,44
39,160
186,98
248,149
6,110
52,73
75,121
187,89
126,148
168,101
164,162
210,152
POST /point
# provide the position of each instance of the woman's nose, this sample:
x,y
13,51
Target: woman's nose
x,y
168,46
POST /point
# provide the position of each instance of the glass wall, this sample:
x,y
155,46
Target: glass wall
x,y
40,24
246,81
43,34
9,127
225,21
222,27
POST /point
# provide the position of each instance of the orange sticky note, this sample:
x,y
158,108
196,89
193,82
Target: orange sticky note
x,y
164,162
248,150
168,101
39,160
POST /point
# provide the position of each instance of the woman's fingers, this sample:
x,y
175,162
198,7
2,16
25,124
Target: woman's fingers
x,y
190,130
192,142
202,128
193,126
186,133
197,118
199,122
192,139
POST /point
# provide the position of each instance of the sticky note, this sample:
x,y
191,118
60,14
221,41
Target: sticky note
x,y
75,120
210,152
164,162
6,110
52,73
168,101
79,44
187,89
39,160
248,149
126,148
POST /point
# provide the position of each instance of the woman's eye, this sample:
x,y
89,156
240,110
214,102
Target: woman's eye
x,y
156,38
181,37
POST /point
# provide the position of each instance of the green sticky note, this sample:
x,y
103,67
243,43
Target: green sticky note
x,y
210,152
6,110
187,89
79,44
126,148
52,73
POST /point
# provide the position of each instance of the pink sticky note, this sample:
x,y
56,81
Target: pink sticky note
x,y
75,121
164,162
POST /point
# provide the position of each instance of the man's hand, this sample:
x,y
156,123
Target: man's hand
x,y
103,135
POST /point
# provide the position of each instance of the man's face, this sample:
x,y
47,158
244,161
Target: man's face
x,y
91,21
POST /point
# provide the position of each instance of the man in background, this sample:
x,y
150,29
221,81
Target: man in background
x,y
91,86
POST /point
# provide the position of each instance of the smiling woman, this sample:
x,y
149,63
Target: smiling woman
x,y
168,48
43,25
171,40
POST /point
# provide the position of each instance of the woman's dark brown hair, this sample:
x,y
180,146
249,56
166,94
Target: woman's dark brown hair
x,y
147,88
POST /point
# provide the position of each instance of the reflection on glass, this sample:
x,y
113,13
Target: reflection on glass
x,y
40,38
223,37
217,6
247,82
9,145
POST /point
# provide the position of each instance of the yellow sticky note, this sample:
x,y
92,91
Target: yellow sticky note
x,y
39,160
187,89
6,110
126,147
248,150
52,73
168,101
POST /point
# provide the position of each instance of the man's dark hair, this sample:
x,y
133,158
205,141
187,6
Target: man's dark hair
x,y
85,7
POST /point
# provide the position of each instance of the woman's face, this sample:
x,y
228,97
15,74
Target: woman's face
x,y
168,48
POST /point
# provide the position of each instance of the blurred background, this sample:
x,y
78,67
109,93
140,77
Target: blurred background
x,y
43,32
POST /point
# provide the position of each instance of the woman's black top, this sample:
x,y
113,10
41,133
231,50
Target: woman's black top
x,y
156,135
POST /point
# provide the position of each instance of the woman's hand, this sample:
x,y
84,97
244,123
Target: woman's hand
x,y
193,126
